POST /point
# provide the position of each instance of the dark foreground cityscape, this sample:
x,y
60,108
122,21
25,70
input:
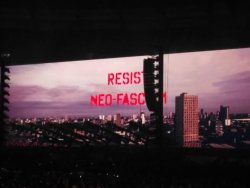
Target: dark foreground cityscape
x,y
185,128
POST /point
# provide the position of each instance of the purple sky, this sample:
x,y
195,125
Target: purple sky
x,y
64,88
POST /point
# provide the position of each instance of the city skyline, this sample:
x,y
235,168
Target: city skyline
x,y
218,77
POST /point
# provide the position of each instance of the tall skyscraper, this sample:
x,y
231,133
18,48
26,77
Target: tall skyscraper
x,y
224,113
187,129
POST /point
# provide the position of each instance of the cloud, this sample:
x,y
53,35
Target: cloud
x,y
234,91
75,73
38,93
41,109
235,82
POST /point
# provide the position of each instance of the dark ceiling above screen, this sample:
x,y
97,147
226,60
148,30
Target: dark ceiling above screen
x,y
48,31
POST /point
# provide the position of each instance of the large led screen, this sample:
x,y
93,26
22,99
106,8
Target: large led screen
x,y
102,102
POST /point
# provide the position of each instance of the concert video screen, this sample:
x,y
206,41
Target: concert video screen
x,y
103,102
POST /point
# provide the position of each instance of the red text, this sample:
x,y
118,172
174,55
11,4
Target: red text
x,y
121,99
125,78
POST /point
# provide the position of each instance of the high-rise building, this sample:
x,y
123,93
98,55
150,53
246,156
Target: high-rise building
x,y
143,119
118,119
219,128
224,112
114,117
187,129
202,114
224,115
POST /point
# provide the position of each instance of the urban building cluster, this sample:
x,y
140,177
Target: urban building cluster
x,y
189,127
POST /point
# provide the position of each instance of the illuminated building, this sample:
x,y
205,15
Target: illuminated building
x,y
143,120
219,128
102,117
187,130
224,115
